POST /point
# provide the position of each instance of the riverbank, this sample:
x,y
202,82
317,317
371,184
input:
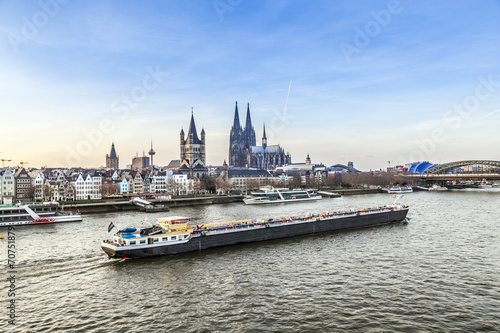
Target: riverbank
x,y
126,205
114,206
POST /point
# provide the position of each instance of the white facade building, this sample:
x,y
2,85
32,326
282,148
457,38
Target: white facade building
x,y
7,186
88,187
182,185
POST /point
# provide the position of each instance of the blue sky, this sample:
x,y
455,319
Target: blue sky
x,y
365,81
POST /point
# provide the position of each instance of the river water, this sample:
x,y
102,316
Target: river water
x,y
438,273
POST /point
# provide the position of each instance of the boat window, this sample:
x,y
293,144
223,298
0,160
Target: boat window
x,y
164,239
155,240
173,238
143,241
132,242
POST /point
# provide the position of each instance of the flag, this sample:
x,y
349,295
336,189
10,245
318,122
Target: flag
x,y
111,226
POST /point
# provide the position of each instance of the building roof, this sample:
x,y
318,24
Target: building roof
x,y
420,167
174,164
112,154
238,172
341,167
192,130
268,149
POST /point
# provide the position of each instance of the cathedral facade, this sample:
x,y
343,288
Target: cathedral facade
x,y
243,151
192,152
112,160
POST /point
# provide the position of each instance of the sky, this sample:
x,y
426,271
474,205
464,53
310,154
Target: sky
x,y
377,83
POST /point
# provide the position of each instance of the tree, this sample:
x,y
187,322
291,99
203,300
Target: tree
x,y
296,181
208,184
252,184
223,185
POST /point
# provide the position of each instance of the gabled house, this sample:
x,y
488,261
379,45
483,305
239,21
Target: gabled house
x,y
23,186
7,186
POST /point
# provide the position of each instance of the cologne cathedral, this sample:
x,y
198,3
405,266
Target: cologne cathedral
x,y
243,151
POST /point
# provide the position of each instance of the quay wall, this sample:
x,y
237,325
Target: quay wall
x,y
115,206
360,191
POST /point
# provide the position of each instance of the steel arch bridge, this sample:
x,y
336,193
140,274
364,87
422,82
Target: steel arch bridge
x,y
447,168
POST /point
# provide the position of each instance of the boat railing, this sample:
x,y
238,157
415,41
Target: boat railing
x,y
254,224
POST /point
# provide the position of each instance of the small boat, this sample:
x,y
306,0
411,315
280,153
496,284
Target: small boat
x,y
436,187
175,234
269,194
35,213
495,185
485,184
400,190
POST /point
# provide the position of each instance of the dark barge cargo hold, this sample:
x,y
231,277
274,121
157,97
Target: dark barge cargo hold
x,y
173,235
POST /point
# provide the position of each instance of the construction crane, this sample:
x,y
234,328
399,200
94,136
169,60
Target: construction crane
x,y
3,162
23,163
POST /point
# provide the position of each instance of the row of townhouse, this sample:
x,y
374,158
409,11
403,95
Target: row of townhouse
x,y
20,185
152,181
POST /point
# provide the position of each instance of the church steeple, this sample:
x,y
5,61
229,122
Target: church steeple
x,y
249,131
192,135
112,160
236,123
248,124
264,138
112,153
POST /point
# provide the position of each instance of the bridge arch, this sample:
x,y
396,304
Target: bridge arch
x,y
448,167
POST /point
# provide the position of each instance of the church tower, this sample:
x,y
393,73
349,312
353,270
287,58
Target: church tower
x,y
236,142
112,160
264,138
249,131
192,154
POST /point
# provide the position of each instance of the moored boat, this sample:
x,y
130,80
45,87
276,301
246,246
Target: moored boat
x,y
400,190
34,213
437,187
174,235
269,194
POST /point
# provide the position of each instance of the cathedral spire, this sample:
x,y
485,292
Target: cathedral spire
x,y
236,123
248,124
264,138
249,132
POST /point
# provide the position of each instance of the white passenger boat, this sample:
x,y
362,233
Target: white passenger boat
x,y
269,194
34,213
400,190
436,187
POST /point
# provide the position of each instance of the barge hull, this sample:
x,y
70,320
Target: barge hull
x,y
263,234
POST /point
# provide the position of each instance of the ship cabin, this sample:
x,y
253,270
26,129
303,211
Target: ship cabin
x,y
168,230
23,212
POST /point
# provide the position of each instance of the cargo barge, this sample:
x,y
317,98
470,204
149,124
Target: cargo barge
x,y
174,235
